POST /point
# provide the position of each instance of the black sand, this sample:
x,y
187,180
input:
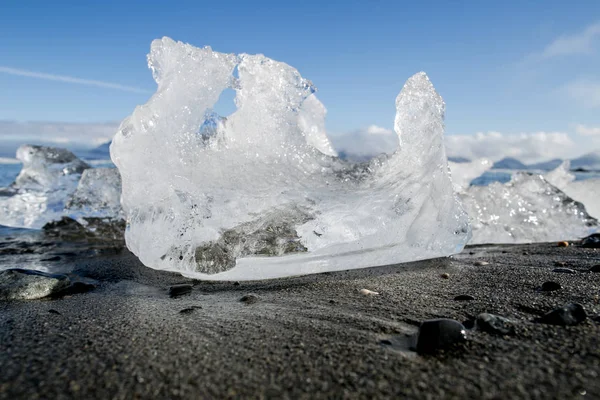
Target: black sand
x,y
309,337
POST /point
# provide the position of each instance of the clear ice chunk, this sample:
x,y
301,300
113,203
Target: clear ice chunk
x,y
48,177
98,195
260,193
526,209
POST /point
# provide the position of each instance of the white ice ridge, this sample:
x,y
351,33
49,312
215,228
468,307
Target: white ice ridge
x,y
48,178
260,193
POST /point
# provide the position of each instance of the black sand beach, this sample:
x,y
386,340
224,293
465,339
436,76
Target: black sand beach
x,y
309,337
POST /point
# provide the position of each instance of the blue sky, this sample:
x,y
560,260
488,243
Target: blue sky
x,y
523,70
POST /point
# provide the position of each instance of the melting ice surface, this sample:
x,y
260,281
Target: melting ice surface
x,y
261,193
98,195
48,177
585,191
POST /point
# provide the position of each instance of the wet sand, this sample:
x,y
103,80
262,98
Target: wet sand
x,y
308,337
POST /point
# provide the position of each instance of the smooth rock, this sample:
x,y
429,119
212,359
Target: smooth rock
x,y
564,270
249,298
550,286
494,324
445,275
595,268
190,310
481,263
24,284
180,290
438,334
592,241
570,314
563,244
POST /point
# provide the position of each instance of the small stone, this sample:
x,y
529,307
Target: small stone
x,y
385,342
563,244
595,268
24,284
445,275
481,263
550,286
53,311
437,334
368,292
236,283
249,298
570,314
525,253
180,290
464,297
494,324
189,310
564,270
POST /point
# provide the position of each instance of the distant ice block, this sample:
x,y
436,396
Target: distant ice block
x,y
526,209
38,195
586,191
98,195
463,173
261,194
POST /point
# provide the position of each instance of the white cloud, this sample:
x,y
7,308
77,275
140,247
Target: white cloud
x,y
365,143
578,43
70,79
378,130
527,147
63,133
586,92
585,130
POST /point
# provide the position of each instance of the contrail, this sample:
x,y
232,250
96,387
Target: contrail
x,y
70,79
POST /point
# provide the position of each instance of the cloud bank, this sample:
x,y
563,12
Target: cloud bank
x,y
59,133
579,43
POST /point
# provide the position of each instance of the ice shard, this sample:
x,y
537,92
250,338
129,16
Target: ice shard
x,y
585,191
48,177
464,173
261,194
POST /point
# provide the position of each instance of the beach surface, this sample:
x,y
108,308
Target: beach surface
x,y
312,337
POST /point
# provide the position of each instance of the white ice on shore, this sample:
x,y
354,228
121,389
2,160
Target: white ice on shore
x,y
47,179
263,195
526,209
585,191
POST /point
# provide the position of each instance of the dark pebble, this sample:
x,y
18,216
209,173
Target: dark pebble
x,y
494,324
560,263
53,311
189,310
386,342
595,268
551,286
180,290
464,297
564,270
249,299
236,283
592,241
55,258
570,314
437,334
